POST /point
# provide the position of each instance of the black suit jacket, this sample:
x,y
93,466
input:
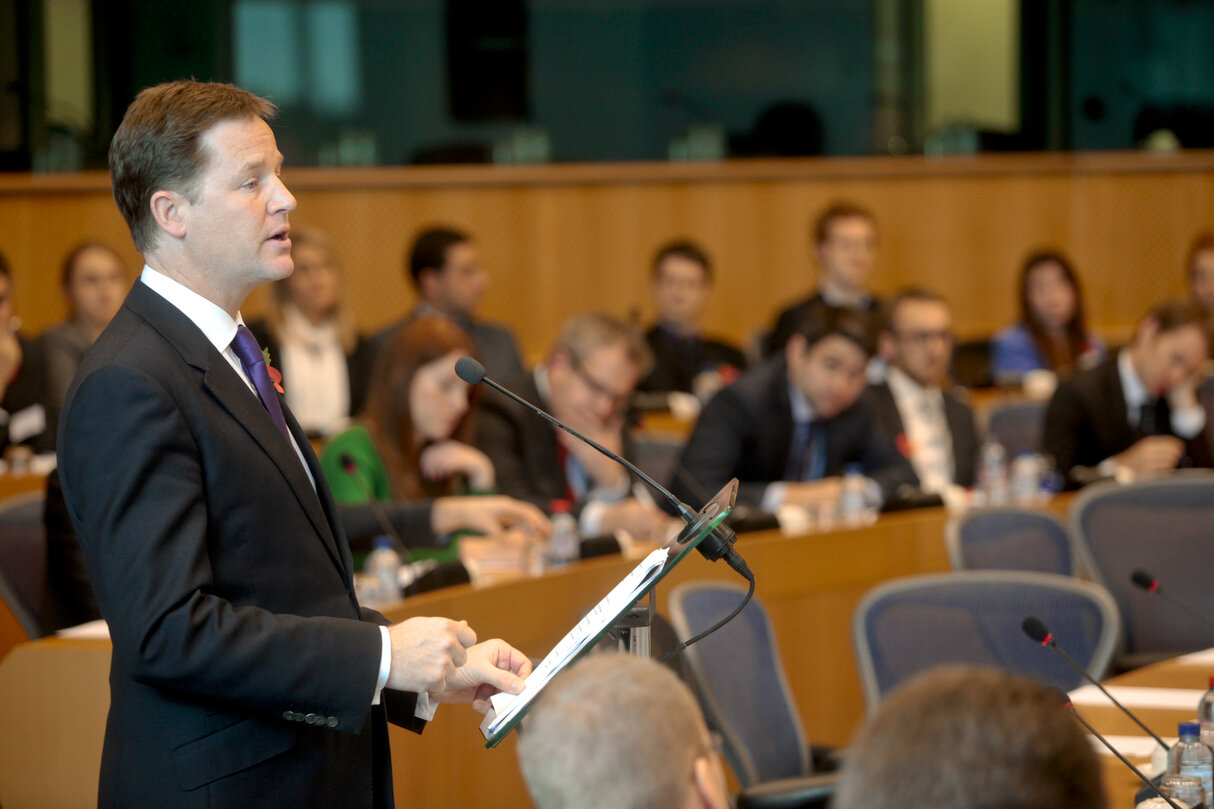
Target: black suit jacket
x,y
746,432
243,667
957,415
676,370
1086,422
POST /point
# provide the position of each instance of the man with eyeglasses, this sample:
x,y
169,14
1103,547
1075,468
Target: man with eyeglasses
x,y
916,403
586,382
790,428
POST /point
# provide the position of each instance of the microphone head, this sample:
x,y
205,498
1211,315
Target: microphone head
x,y
1035,629
348,464
1144,580
469,370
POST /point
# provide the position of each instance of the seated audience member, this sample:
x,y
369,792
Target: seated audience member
x,y
917,403
324,362
444,266
94,282
845,248
619,732
1136,414
1052,333
23,417
683,358
965,738
1201,272
587,382
414,440
788,428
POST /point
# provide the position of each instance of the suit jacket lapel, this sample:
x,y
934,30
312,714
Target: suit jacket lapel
x,y
1114,405
222,381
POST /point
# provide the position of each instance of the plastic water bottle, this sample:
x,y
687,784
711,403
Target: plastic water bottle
x,y
1026,479
1190,757
1205,717
384,564
852,504
994,473
565,545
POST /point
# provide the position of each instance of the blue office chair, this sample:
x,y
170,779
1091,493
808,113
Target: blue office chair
x,y
1017,426
909,625
746,698
1010,539
1164,527
23,559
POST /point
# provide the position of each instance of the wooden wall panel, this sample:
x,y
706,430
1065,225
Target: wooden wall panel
x,y
563,239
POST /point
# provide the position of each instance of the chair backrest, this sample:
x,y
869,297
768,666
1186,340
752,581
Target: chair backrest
x,y
1161,526
906,626
1017,426
1010,539
741,683
23,558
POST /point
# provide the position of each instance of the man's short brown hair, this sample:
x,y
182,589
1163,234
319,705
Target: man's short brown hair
x,y
961,737
836,211
584,334
1172,315
159,144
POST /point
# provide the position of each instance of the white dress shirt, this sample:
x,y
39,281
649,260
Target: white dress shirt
x,y
318,378
931,443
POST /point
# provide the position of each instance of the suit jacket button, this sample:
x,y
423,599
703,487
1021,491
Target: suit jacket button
x,y
331,721
310,719
288,715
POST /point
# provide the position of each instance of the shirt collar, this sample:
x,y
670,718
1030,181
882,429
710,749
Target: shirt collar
x,y
802,410
218,327
903,385
1135,392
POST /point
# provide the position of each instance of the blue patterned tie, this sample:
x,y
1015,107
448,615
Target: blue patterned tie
x,y
254,362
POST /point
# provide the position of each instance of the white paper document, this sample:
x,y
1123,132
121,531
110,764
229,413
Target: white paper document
x,y
93,629
621,597
1137,697
1203,658
1130,746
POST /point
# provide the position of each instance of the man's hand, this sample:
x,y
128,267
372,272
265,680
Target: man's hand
x,y
490,515
492,667
639,518
814,493
427,652
1152,456
445,458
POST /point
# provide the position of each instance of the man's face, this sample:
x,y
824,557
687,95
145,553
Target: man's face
x,y
97,285
680,290
847,254
921,341
1201,280
461,282
1165,360
592,391
831,373
236,224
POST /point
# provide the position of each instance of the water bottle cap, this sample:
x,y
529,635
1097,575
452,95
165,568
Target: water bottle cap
x,y
1189,729
381,541
560,506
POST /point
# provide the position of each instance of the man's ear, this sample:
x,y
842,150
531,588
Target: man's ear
x,y
427,283
795,349
708,787
168,209
885,345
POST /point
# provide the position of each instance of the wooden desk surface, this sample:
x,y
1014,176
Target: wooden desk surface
x,y
54,693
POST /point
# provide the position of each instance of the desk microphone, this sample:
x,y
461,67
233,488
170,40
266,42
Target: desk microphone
x,y
1151,584
1038,631
718,544
1151,784
350,467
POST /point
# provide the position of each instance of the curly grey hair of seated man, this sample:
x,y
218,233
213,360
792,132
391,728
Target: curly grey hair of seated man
x,y
960,737
619,732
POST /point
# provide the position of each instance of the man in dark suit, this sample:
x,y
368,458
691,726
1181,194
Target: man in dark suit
x,y
917,403
845,247
586,382
23,411
444,266
789,428
1135,414
244,671
684,359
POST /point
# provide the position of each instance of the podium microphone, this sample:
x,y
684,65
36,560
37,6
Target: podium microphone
x,y
718,544
1038,631
1151,584
1154,788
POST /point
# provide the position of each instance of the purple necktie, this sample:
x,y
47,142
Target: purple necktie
x,y
254,362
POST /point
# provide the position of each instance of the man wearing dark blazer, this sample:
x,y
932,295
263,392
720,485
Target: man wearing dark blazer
x,y
586,382
244,671
1136,414
788,429
916,403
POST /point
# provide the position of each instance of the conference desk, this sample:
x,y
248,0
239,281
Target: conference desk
x,y
54,692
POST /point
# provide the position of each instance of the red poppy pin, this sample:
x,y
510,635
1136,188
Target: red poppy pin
x,y
275,374
904,445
